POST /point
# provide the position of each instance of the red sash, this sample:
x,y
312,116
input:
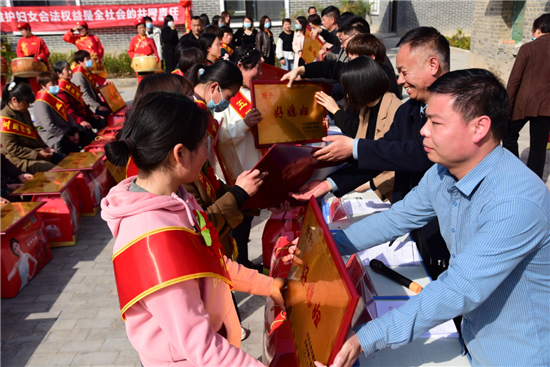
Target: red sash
x,y
241,104
213,124
163,257
227,48
54,102
131,168
208,187
13,126
89,76
179,72
71,90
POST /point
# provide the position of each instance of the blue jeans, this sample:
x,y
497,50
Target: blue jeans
x,y
289,64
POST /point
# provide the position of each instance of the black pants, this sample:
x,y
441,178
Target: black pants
x,y
539,129
86,137
241,235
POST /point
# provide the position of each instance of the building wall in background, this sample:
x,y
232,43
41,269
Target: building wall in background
x,y
492,45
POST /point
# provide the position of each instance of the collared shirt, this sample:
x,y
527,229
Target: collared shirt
x,y
496,224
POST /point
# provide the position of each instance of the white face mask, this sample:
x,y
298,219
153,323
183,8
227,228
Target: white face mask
x,y
170,23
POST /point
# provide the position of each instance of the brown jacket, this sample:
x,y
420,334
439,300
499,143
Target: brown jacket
x,y
223,213
20,150
390,103
529,82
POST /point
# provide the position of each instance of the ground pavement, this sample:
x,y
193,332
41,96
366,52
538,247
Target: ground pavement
x,y
68,315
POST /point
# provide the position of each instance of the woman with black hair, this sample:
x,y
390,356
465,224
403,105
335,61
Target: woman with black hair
x,y
169,38
365,85
264,41
298,41
21,144
236,135
245,36
210,44
176,299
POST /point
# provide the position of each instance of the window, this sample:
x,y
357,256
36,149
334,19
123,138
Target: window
x,y
276,10
518,20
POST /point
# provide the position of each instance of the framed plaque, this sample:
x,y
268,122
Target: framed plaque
x,y
270,72
112,97
289,167
311,46
321,297
290,115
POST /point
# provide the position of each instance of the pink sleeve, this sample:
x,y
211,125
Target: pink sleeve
x,y
180,313
248,280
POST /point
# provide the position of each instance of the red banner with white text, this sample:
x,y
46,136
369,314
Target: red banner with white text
x,y
62,18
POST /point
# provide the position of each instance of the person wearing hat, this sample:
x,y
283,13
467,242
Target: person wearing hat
x,y
31,46
87,42
141,45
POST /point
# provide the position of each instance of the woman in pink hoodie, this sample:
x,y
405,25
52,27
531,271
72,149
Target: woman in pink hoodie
x,y
173,282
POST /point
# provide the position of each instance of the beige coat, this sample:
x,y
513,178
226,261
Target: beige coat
x,y
389,105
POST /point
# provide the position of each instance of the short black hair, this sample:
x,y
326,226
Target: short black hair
x,y
226,29
206,40
163,82
12,242
331,11
311,7
476,92
429,37
81,55
195,17
314,19
363,81
58,66
185,44
148,19
45,77
149,139
366,44
353,25
287,20
542,23
191,56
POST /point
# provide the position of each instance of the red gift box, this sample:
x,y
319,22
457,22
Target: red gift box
x,y
25,248
61,211
93,180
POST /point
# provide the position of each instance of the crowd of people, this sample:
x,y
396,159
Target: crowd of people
x,y
437,157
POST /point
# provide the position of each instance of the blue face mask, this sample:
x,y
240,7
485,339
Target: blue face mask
x,y
54,89
298,27
89,64
533,38
149,25
267,25
247,25
170,23
218,107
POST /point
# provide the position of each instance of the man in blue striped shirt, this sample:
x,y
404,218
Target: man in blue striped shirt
x,y
494,214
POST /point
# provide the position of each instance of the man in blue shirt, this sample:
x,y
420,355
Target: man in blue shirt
x,y
494,214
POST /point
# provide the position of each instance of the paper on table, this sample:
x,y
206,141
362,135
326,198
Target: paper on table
x,y
402,252
447,329
358,206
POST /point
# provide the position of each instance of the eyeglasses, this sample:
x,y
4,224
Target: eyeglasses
x,y
347,38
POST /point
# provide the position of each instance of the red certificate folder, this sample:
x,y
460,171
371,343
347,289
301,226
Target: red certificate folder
x,y
289,167
321,297
270,72
290,115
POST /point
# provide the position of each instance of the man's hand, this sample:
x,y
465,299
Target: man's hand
x,y
86,125
351,350
340,149
293,75
276,292
103,108
24,177
96,116
285,207
316,188
253,118
250,181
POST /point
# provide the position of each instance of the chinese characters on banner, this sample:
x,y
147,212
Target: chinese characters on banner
x,y
289,115
320,297
61,18
311,47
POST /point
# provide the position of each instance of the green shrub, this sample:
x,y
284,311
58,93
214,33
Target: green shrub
x,y
460,40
